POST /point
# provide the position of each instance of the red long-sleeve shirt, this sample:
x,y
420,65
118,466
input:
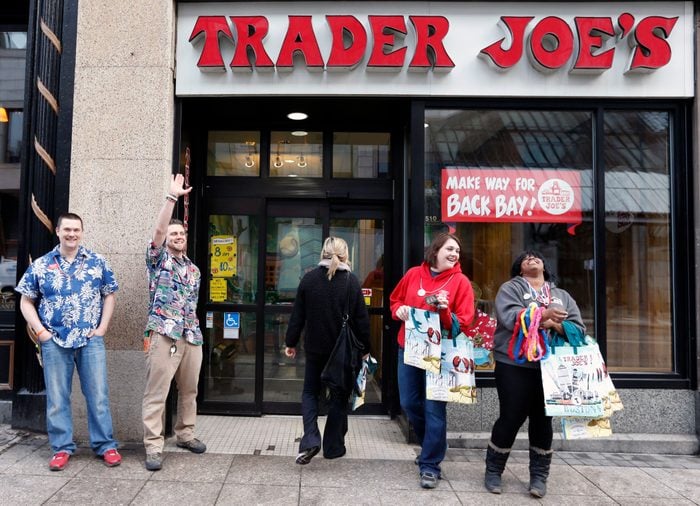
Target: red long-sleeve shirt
x,y
456,284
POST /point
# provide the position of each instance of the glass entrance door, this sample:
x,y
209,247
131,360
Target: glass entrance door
x,y
256,263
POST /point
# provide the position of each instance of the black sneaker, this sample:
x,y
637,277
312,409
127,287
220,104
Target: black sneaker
x,y
193,445
305,456
154,461
428,479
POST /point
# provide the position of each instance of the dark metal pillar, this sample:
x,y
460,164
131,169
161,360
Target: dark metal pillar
x,y
48,113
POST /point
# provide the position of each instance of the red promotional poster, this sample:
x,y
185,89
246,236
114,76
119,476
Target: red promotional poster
x,y
511,195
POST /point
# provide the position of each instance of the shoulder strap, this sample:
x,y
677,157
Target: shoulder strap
x,y
347,295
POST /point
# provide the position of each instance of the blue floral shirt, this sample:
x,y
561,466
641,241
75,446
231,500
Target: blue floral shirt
x,y
174,288
70,294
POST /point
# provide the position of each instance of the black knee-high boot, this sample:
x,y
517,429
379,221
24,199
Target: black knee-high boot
x,y
496,459
540,460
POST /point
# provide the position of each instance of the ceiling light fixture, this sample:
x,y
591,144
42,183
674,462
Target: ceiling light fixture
x,y
249,162
300,133
278,161
297,116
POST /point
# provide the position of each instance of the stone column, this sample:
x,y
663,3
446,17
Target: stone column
x,y
122,157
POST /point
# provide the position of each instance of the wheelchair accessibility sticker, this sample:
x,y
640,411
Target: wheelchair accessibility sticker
x,y
232,324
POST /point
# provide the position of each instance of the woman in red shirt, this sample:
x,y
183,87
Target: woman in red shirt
x,y
440,275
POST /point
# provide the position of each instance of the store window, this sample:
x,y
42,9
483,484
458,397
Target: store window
x,y
233,154
296,154
638,240
508,180
361,155
13,47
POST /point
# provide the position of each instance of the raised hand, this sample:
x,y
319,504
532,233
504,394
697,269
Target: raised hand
x,y
177,186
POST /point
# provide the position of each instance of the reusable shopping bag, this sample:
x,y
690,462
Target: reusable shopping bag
x,y
574,339
369,366
570,382
585,428
456,381
423,338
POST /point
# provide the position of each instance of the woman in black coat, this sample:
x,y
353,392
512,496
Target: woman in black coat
x,y
321,299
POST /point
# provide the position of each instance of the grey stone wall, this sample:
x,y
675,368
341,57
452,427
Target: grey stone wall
x,y
650,411
121,163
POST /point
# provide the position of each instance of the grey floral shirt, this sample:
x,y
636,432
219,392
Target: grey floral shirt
x,y
70,294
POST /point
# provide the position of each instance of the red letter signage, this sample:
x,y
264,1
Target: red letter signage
x,y
300,37
250,32
430,30
384,30
590,37
551,44
652,51
342,57
514,26
211,27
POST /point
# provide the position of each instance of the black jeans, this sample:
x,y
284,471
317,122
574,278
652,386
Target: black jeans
x,y
520,396
337,421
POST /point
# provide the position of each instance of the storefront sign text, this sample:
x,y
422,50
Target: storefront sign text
x,y
526,195
551,42
349,42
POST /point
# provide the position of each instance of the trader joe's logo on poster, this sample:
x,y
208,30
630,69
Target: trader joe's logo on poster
x,y
512,195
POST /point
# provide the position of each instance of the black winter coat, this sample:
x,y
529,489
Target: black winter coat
x,y
318,308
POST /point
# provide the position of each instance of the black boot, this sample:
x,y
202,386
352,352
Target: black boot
x,y
540,461
496,459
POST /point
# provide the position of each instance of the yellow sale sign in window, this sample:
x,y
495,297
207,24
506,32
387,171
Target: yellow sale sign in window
x,y
217,290
223,249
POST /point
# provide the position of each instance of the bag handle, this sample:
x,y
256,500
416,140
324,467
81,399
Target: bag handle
x,y
455,330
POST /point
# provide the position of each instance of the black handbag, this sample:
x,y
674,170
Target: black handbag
x,y
345,361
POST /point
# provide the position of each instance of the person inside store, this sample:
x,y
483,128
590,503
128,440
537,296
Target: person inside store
x,y
438,284
375,277
519,385
173,339
324,296
75,292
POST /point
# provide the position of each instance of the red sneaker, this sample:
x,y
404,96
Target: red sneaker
x,y
112,458
58,461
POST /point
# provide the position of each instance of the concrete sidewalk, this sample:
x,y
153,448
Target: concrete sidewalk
x,y
251,461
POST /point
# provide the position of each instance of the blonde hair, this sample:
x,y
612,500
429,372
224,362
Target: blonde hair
x,y
334,249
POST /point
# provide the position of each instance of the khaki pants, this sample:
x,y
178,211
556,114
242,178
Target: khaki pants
x,y
161,368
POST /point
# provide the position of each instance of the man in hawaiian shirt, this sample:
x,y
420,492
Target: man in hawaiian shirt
x,y
173,340
74,288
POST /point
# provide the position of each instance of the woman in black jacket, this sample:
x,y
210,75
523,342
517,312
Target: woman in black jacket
x,y
321,299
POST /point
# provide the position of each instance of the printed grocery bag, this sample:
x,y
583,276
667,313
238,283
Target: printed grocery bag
x,y
369,366
423,337
571,383
608,392
585,428
456,381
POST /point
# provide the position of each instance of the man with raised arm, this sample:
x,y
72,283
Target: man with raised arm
x,y
173,340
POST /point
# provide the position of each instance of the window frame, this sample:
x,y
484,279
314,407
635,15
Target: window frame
x,y
684,374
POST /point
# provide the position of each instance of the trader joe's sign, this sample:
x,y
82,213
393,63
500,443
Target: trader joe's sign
x,y
512,195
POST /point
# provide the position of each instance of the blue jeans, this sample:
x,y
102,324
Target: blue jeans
x,y
91,362
337,422
428,418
